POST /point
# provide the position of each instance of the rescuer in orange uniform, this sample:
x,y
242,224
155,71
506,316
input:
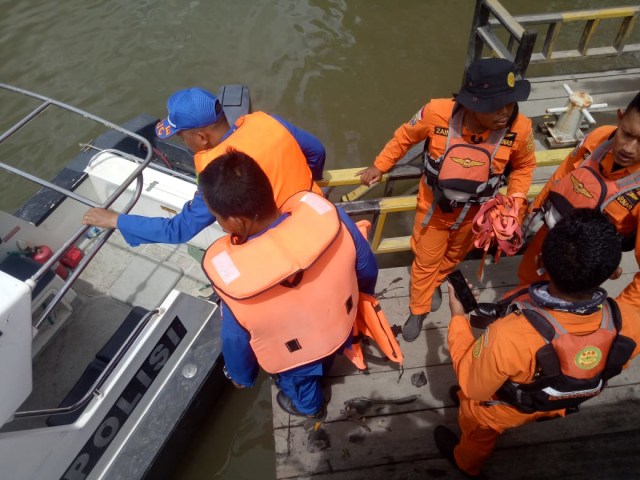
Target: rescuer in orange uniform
x,y
479,128
618,168
504,378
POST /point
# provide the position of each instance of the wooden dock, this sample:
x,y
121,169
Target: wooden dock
x,y
395,441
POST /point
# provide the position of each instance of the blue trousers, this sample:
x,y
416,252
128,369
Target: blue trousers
x,y
303,385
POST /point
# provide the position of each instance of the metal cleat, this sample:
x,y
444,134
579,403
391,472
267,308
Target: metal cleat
x,y
565,132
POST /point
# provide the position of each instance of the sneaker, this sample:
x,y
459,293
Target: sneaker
x,y
446,441
412,327
436,299
286,404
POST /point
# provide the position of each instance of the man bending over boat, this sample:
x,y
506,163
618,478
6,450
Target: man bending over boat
x,y
603,173
555,345
288,278
472,141
291,157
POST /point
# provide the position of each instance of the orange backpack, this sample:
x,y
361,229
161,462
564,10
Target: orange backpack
x,y
586,187
464,172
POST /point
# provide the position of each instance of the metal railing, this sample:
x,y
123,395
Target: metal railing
x,y
491,19
136,175
520,43
380,207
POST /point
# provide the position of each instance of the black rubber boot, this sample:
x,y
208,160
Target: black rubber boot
x,y
436,299
412,327
446,441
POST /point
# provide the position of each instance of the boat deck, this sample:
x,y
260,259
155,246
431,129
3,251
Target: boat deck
x,y
387,440
396,441
118,279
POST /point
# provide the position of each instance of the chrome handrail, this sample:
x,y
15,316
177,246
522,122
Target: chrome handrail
x,y
135,175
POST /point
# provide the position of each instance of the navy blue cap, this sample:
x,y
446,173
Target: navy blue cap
x,y
490,84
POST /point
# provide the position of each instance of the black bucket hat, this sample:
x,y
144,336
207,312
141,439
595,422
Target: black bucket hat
x,y
490,84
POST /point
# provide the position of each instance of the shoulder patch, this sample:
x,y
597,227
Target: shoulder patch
x,y
530,144
416,118
477,346
444,131
508,139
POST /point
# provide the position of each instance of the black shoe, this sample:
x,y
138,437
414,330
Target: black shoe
x,y
453,394
446,441
286,404
412,327
436,299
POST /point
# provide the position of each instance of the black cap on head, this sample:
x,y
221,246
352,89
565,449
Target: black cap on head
x,y
490,84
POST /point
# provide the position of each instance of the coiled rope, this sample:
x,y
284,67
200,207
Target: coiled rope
x,y
497,223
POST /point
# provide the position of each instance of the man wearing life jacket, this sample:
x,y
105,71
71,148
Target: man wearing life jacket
x,y
472,141
288,278
557,345
603,173
291,157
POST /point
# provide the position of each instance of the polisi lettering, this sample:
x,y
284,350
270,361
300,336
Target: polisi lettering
x,y
118,414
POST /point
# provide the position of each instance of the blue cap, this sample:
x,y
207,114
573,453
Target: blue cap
x,y
190,108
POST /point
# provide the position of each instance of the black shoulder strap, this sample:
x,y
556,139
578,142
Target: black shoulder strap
x,y
541,324
615,314
503,303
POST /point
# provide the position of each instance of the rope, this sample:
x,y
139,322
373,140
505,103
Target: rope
x,y
497,223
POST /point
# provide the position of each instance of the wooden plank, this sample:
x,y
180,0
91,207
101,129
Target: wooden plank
x,y
408,426
601,457
410,434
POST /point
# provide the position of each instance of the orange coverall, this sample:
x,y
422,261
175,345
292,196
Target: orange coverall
x,y
506,351
624,212
436,247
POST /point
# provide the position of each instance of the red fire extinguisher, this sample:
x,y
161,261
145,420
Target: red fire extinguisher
x,y
43,253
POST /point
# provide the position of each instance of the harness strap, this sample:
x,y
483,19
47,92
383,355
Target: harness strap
x,y
542,319
463,214
599,152
432,208
616,316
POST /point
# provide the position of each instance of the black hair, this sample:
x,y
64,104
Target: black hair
x,y
234,185
634,104
581,251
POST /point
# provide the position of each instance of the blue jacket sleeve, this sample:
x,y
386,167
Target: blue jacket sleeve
x,y
311,147
239,359
366,263
193,218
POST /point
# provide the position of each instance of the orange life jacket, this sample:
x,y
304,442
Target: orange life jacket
x,y
272,146
586,187
294,287
371,322
464,172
